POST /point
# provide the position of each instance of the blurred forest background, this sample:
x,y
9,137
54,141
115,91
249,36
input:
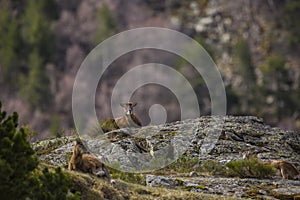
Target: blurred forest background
x,y
255,44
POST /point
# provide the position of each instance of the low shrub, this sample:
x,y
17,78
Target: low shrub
x,y
108,125
136,178
250,168
183,164
20,174
213,168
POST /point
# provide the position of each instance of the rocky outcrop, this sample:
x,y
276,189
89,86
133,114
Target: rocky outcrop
x,y
220,139
260,189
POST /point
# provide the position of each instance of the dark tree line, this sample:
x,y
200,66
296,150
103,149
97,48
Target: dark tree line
x,y
26,46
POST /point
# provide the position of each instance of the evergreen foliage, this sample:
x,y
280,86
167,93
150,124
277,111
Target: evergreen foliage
x,y
232,100
250,168
55,127
35,89
52,186
243,54
10,40
292,22
19,176
17,158
36,30
246,69
213,167
107,25
278,84
209,48
26,46
38,39
183,164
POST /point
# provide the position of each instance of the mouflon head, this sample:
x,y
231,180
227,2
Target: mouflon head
x,y
128,107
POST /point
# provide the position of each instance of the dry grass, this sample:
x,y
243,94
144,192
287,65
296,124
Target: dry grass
x,y
92,187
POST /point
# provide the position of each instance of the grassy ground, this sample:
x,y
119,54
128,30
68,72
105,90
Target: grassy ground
x,y
92,187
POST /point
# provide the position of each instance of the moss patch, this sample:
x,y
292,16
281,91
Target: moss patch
x,y
108,125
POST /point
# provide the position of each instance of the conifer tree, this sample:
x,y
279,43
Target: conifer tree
x,y
291,21
107,25
17,158
9,43
35,89
276,84
20,177
36,29
247,71
38,39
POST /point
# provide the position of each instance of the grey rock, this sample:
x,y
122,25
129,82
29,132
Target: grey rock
x,y
226,186
206,20
155,181
219,138
286,192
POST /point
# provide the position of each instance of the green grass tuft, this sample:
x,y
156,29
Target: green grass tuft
x,y
250,168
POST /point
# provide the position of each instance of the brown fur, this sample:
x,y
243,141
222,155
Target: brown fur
x,y
86,163
287,169
130,119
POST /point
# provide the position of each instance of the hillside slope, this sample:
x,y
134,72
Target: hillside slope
x,y
202,167
249,41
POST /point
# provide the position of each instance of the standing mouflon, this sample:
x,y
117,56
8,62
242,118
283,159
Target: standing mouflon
x,y
287,169
87,163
